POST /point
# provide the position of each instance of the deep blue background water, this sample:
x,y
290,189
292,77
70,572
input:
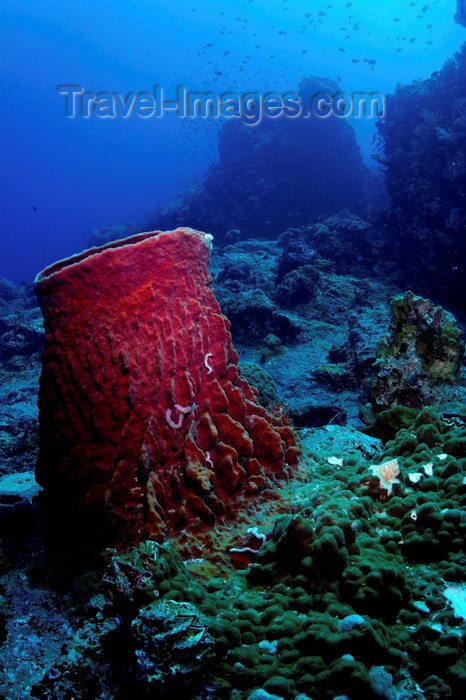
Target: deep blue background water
x,y
64,177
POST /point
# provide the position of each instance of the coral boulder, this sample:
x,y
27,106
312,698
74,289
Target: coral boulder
x,y
420,354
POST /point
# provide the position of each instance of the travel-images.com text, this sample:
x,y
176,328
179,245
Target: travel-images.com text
x,y
250,107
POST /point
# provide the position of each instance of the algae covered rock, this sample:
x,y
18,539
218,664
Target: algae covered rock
x,y
421,351
350,242
142,632
298,287
87,664
296,253
253,315
390,421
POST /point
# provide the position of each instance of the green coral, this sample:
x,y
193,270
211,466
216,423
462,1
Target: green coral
x,y
347,596
259,378
389,422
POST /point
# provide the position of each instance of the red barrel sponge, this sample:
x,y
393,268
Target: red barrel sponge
x,y
146,424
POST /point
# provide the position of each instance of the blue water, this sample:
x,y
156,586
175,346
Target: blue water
x,y
64,177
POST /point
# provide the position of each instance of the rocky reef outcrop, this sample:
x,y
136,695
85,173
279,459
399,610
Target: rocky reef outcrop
x,y
278,171
21,342
423,151
419,356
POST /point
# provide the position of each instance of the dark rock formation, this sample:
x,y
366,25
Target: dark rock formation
x,y
424,145
279,171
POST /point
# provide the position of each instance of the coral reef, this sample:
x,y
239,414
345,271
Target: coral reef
x,y
344,580
421,352
357,591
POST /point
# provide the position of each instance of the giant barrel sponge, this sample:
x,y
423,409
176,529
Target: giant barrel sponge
x,y
146,424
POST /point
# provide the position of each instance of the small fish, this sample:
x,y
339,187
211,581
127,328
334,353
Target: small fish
x,y
35,208
396,19
355,60
425,8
